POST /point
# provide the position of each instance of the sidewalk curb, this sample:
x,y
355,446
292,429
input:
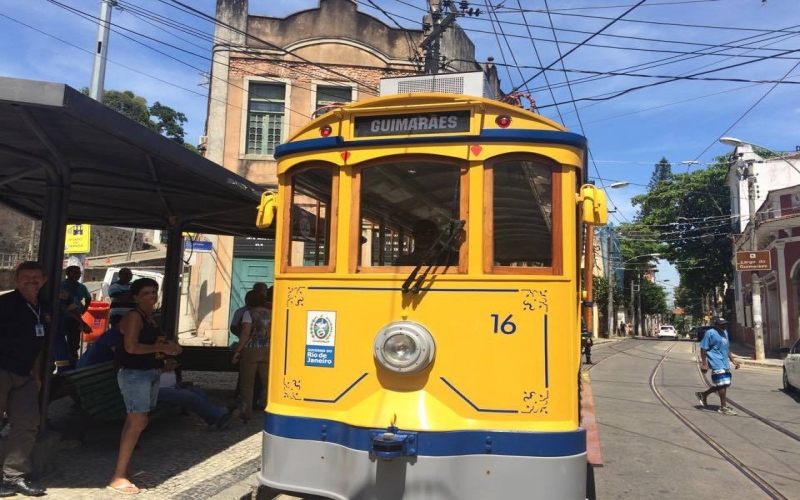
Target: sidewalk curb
x,y
759,364
243,490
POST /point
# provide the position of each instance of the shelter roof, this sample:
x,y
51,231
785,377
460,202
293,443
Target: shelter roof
x,y
118,171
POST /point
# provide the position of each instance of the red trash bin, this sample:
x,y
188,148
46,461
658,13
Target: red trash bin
x,y
97,317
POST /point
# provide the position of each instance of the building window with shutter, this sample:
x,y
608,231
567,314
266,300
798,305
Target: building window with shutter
x,y
265,113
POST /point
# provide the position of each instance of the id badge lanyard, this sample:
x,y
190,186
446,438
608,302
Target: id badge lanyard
x,y
39,327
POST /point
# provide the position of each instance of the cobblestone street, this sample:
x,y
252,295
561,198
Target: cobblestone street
x,y
181,458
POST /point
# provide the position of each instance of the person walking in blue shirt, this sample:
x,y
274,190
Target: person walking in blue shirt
x,y
715,355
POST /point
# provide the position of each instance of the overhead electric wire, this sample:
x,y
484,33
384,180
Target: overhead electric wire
x,y
65,42
538,58
560,12
96,20
412,48
674,59
215,21
573,49
486,4
615,94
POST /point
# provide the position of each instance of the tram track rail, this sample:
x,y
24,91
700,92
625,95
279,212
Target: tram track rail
x,y
751,475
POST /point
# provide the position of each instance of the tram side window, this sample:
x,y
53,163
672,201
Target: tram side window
x,y
522,214
310,231
396,196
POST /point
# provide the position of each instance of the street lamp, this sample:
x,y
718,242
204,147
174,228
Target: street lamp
x,y
758,329
733,141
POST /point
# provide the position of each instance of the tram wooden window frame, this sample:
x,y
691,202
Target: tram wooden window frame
x,y
557,173
333,221
355,222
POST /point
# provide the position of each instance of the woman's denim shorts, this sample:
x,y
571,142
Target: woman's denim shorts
x,y
139,389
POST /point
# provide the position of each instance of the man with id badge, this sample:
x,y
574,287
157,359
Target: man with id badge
x,y
23,322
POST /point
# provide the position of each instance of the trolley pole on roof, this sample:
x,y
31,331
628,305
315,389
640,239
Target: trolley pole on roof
x,y
101,50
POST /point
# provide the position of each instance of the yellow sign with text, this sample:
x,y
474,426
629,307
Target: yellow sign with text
x,y
78,239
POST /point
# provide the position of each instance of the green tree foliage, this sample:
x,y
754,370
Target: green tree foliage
x,y
661,172
129,104
163,119
691,215
167,121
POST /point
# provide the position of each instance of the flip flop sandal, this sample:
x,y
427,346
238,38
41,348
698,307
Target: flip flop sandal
x,y
123,489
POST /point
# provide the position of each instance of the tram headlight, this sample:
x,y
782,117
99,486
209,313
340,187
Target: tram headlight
x,y
404,347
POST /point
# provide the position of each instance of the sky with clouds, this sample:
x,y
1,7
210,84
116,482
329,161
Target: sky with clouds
x,y
734,52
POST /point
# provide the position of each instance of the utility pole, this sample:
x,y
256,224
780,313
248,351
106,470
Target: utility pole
x,y
432,42
639,326
101,50
758,330
610,328
438,25
633,310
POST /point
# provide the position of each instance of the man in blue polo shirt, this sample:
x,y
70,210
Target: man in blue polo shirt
x,y
715,355
24,320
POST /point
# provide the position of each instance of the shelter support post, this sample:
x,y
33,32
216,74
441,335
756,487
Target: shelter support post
x,y
51,256
173,271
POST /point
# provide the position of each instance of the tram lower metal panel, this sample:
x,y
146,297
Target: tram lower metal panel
x,y
332,470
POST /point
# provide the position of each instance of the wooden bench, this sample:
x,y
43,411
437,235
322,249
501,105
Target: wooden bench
x,y
94,388
97,393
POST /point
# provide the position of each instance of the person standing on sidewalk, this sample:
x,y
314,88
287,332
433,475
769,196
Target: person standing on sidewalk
x,y
23,320
715,355
75,300
140,355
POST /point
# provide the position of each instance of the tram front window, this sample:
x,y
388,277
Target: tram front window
x,y
399,199
522,214
310,228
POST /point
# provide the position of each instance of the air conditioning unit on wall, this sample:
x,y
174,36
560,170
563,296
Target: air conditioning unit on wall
x,y
472,83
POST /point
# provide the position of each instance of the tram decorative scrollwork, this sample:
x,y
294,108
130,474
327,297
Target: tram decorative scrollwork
x,y
534,299
291,388
295,296
535,401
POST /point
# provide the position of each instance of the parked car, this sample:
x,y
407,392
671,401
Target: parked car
x,y
791,367
667,331
112,275
698,332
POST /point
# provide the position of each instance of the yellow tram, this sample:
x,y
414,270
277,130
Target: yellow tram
x,y
426,323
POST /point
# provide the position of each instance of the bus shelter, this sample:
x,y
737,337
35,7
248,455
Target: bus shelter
x,y
66,159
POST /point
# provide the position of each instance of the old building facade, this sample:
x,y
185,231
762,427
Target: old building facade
x,y
776,228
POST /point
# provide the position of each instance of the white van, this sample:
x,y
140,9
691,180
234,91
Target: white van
x,y
112,275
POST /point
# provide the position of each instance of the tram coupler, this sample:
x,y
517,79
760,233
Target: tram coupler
x,y
391,443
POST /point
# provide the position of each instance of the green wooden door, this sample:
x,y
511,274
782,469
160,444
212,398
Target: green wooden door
x,y
246,273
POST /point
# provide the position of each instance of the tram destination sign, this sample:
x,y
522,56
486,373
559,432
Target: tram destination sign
x,y
443,122
753,261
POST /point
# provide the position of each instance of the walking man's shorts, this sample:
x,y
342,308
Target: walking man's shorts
x,y
721,378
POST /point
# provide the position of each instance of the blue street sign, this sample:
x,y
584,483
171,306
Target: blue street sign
x,y
197,246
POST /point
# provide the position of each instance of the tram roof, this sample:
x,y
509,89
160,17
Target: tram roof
x,y
401,103
119,172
